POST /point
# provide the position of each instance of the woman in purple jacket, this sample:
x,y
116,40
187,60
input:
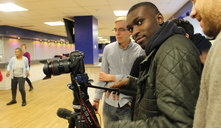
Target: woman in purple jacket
x,y
27,54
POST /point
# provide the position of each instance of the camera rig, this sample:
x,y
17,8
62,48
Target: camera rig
x,y
83,115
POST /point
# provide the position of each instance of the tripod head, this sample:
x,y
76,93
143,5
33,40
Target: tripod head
x,y
83,115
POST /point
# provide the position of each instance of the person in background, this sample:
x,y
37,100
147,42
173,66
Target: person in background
x,y
201,43
117,60
27,54
18,69
208,108
1,76
169,77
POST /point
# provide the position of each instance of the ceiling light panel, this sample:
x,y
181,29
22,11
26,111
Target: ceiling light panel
x,y
54,23
120,12
10,7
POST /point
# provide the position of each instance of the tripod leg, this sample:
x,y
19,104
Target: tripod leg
x,y
81,123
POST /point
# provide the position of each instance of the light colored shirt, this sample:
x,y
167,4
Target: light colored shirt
x,y
18,68
208,108
10,66
118,62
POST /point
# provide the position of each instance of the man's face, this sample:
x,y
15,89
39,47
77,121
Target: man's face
x,y
143,23
207,12
18,53
121,33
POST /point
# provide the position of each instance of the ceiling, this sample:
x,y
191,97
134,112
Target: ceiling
x,y
40,11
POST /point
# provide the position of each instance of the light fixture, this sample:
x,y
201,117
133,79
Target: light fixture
x,y
120,12
99,37
10,7
54,23
103,39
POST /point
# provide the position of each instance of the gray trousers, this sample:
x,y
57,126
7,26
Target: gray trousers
x,y
112,114
21,82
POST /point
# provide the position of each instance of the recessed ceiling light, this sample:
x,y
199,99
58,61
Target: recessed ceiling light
x,y
10,7
120,12
54,23
103,39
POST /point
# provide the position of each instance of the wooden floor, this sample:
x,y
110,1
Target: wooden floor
x,y
42,103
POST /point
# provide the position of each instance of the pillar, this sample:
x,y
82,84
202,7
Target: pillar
x,y
86,37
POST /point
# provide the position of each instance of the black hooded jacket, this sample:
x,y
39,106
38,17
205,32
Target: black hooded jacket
x,y
167,30
168,86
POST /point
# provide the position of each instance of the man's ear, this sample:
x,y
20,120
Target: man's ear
x,y
160,19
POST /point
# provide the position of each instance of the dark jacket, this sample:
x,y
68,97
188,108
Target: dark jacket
x,y
135,68
168,86
201,42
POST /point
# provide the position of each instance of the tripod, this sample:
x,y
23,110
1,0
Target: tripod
x,y
83,115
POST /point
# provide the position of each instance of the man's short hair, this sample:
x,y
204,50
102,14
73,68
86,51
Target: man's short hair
x,y
120,19
148,5
18,49
186,25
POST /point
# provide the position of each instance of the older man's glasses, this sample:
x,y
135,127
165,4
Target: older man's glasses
x,y
119,30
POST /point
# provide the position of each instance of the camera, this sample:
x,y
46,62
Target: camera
x,y
83,114
57,67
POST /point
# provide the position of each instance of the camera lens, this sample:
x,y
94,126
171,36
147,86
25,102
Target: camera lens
x,y
56,67
60,67
74,64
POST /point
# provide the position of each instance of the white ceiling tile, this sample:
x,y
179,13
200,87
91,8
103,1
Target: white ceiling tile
x,y
91,2
122,2
41,11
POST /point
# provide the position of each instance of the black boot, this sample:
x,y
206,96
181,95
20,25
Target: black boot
x,y
12,102
31,88
23,103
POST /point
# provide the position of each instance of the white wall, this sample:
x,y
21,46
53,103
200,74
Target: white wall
x,y
38,50
45,50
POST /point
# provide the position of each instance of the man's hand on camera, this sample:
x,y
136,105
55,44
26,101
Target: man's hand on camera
x,y
95,105
120,84
106,77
